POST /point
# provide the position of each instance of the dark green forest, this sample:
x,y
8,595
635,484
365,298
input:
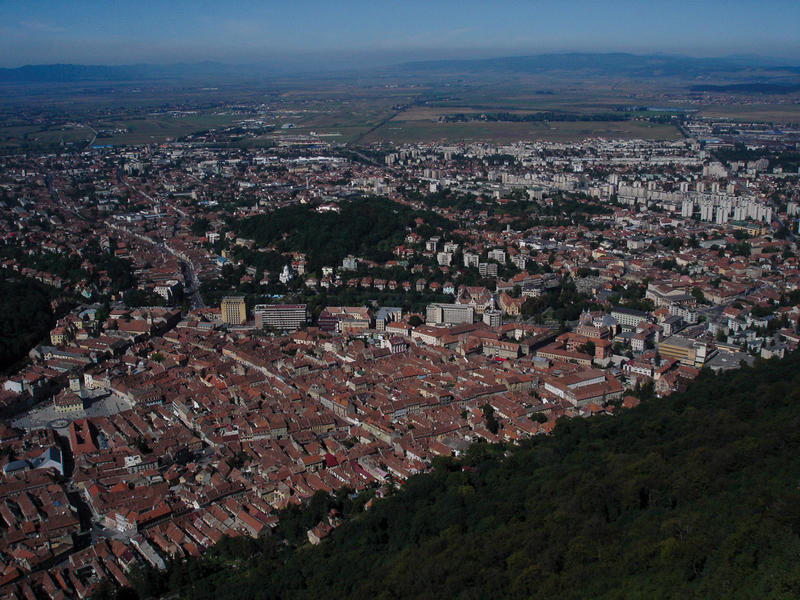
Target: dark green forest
x,y
68,266
25,316
788,160
692,496
368,227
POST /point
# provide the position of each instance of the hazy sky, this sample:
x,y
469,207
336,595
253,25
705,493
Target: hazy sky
x,y
383,31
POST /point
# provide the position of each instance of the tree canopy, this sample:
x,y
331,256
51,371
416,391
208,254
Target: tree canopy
x,y
367,227
25,316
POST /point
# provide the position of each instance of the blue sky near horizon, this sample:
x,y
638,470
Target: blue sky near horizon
x,y
346,32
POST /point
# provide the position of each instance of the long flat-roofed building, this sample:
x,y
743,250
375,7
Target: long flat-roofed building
x,y
449,314
288,317
687,351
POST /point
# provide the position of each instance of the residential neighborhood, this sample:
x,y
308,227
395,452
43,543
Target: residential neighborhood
x,y
199,377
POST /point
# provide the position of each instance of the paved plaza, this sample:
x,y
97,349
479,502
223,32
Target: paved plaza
x,y
99,403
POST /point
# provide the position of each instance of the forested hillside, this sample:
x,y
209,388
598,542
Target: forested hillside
x,y
693,496
369,228
25,316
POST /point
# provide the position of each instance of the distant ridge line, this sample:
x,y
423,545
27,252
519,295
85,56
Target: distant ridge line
x,y
592,64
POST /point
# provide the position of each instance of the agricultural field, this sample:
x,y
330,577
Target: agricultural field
x,y
24,137
144,130
399,130
355,113
161,128
379,120
768,113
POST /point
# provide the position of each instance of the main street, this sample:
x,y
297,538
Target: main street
x,y
188,269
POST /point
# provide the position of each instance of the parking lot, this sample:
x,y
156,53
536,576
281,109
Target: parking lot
x,y
99,403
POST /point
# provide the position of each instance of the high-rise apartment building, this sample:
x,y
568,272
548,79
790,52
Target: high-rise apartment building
x,y
233,310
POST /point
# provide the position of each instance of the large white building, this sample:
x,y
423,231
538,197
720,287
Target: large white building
x,y
449,314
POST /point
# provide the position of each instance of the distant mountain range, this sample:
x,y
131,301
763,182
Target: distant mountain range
x,y
750,68
610,64
68,73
